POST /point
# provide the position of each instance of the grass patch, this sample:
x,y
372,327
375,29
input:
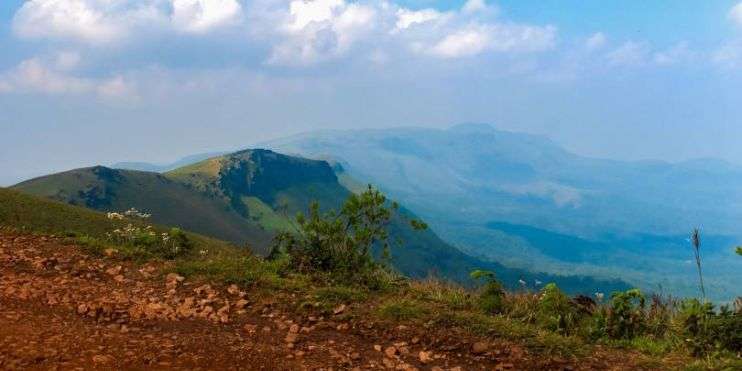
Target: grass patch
x,y
449,295
397,309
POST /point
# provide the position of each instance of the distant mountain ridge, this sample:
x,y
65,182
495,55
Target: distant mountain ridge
x,y
463,178
246,196
161,168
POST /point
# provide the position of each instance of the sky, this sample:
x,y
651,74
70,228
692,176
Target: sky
x,y
85,82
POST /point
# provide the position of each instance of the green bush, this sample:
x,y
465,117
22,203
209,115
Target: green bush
x,y
625,318
168,245
706,331
491,296
555,310
340,243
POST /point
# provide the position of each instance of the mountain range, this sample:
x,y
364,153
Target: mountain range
x,y
526,202
247,196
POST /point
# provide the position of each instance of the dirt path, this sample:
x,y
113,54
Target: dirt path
x,y
60,308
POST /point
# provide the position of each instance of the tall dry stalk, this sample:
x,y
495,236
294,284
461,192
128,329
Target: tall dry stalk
x,y
695,240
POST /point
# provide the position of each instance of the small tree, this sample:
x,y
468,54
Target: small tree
x,y
340,242
492,295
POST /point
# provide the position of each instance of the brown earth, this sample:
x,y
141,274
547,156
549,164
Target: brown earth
x,y
61,308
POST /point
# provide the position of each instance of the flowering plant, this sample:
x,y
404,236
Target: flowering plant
x,y
167,244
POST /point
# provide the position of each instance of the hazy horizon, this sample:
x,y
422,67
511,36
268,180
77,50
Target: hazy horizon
x,y
88,82
166,159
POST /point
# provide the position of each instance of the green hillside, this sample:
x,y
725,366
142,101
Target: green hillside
x,y
248,196
169,201
27,213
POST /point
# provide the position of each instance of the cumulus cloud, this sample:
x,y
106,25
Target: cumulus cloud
x,y
37,75
201,16
596,41
735,14
296,32
408,17
317,30
630,53
472,6
643,54
729,55
475,39
107,21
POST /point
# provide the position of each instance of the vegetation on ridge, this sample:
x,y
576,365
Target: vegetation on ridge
x,y
248,197
545,322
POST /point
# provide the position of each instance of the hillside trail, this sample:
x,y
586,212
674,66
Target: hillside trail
x,y
61,308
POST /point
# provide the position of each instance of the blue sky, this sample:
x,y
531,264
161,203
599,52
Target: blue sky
x,y
84,82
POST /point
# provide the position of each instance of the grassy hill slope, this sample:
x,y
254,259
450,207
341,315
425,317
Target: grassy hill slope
x,y
246,196
28,213
169,202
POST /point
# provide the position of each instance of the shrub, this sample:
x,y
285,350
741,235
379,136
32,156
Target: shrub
x,y
168,245
706,331
340,243
625,317
403,310
555,310
491,295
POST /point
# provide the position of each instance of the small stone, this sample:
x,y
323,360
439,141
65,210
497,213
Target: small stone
x,y
479,347
82,309
425,357
377,347
292,337
339,309
294,329
241,304
390,352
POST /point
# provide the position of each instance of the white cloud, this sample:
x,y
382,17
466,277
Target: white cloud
x,y
200,16
296,32
313,31
407,17
306,12
596,41
463,43
630,53
106,21
477,39
67,60
472,6
728,56
87,20
318,30
735,14
36,75
678,53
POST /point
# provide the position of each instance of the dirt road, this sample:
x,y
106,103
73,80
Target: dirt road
x,y
63,309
